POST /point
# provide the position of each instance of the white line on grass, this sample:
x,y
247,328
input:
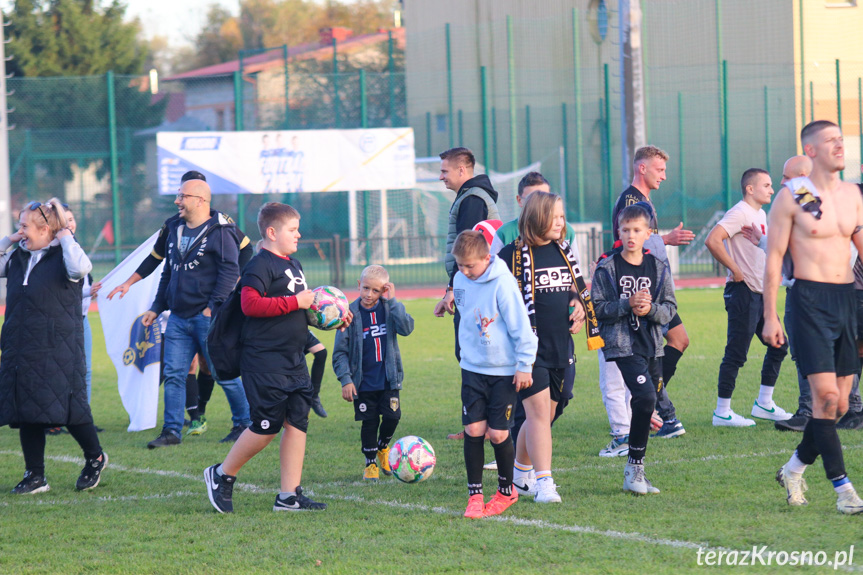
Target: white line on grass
x,y
610,463
627,536
532,523
614,461
107,498
609,533
146,471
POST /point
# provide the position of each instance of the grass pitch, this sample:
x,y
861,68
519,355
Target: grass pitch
x,y
150,514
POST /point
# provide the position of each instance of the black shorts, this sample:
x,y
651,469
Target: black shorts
x,y
545,378
275,398
675,321
371,404
824,322
488,398
311,341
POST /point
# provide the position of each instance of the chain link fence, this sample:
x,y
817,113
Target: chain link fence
x,y
91,141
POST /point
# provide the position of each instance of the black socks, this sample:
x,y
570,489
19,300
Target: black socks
x,y
504,454
473,461
669,363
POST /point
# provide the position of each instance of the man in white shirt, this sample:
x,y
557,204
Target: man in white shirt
x,y
744,302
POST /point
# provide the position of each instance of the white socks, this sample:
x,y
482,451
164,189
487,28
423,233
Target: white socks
x,y
794,465
765,396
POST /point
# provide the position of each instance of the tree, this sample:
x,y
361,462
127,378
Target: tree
x,y
219,40
72,38
270,23
61,51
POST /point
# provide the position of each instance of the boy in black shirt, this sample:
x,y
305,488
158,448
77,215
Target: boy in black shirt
x,y
649,167
633,292
273,363
368,363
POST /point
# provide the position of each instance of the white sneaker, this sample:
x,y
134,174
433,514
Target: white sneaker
x,y
848,503
635,482
795,486
491,465
528,484
772,412
617,447
546,492
731,420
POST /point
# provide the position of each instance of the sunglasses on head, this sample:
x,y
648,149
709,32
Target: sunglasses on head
x,y
33,206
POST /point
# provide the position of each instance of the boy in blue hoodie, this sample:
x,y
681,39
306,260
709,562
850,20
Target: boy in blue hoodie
x,y
633,292
498,349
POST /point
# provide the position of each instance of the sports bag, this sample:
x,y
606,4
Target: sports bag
x,y
224,338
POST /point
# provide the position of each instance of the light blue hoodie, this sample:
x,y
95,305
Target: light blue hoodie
x,y
494,332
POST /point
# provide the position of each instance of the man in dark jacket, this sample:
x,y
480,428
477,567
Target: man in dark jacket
x,y
475,201
200,389
200,271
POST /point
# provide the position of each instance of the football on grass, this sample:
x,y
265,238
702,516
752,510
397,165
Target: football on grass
x,y
412,459
329,309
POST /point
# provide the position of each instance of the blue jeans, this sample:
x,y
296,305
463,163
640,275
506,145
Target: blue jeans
x,y
184,337
88,356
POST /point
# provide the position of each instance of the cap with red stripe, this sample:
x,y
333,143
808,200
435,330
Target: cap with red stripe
x,y
488,228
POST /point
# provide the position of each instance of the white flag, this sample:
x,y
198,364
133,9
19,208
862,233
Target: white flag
x,y
133,349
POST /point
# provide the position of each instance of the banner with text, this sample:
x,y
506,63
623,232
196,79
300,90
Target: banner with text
x,y
289,161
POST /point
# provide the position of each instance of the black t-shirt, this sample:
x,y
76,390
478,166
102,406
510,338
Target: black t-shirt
x,y
551,299
631,279
631,195
275,344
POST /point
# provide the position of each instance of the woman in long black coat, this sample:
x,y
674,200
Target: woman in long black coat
x,y
42,372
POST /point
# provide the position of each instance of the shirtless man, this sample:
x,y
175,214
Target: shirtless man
x,y
815,218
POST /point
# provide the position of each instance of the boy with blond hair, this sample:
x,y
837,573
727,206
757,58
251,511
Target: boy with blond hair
x,y
498,349
273,363
368,364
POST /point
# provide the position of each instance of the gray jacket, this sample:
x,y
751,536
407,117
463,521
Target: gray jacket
x,y
348,351
613,312
481,187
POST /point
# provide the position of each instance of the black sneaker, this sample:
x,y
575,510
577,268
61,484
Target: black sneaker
x,y
92,473
851,420
796,423
298,502
55,430
234,434
220,489
31,483
318,407
165,439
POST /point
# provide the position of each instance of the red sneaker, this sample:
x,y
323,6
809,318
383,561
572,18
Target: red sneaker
x,y
474,507
499,503
459,436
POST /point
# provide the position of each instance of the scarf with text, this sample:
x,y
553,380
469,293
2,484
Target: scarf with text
x,y
522,269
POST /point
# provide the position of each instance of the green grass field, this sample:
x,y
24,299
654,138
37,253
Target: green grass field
x,y
150,514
